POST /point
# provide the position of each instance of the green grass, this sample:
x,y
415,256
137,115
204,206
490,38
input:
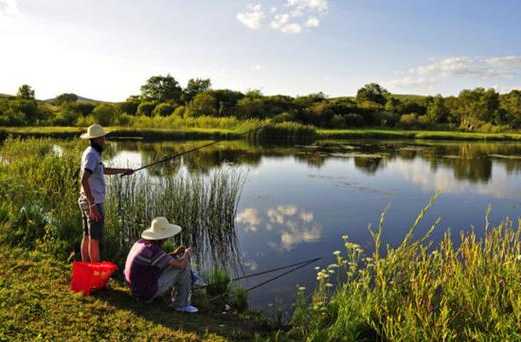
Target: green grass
x,y
277,134
36,304
466,291
416,134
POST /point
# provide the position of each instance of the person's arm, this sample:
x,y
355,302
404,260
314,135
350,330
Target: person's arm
x,y
93,211
116,171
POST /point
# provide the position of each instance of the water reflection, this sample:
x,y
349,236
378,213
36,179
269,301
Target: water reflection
x,y
469,161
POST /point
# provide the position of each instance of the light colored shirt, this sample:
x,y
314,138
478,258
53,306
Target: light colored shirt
x,y
91,160
143,267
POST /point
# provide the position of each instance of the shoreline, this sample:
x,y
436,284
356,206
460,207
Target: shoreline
x,y
152,134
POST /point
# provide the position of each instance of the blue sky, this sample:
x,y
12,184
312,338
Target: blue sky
x,y
107,49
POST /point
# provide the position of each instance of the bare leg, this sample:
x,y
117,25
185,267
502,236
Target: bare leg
x,y
94,250
85,243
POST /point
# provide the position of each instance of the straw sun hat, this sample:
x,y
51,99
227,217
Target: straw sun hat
x,y
93,132
160,229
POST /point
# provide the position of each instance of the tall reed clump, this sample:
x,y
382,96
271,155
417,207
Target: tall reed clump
x,y
204,206
418,292
38,194
289,132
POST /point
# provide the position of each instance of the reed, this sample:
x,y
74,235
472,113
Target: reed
x,y
289,132
204,206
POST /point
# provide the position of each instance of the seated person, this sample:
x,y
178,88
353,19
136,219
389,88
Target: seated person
x,y
151,272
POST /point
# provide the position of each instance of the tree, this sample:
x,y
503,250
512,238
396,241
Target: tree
x,y
437,111
195,87
478,104
105,114
162,88
25,92
372,92
511,104
203,104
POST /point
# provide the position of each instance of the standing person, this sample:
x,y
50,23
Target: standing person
x,y
92,193
151,272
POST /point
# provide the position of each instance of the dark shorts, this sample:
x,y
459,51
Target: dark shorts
x,y
91,228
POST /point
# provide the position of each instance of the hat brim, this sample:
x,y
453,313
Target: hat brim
x,y
87,136
170,231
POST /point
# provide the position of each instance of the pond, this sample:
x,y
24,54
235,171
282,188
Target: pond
x,y
297,202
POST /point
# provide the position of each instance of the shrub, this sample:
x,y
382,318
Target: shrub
x,y
354,120
164,109
337,121
408,120
146,108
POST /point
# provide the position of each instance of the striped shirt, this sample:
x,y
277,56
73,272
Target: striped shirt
x,y
144,265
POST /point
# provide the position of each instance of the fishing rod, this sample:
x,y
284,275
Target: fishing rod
x,y
251,275
298,266
168,158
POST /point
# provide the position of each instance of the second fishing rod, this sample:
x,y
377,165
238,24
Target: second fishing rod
x,y
174,156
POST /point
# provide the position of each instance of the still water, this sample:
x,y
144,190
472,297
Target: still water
x,y
297,202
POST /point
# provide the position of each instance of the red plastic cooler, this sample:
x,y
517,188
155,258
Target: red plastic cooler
x,y
88,276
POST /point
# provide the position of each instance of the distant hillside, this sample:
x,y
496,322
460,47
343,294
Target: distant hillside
x,y
82,99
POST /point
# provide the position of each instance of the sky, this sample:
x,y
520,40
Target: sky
x,y
107,49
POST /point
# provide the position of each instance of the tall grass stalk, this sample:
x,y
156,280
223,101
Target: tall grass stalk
x,y
420,292
205,207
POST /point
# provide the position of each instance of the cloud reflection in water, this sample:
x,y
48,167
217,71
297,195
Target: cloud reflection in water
x,y
291,225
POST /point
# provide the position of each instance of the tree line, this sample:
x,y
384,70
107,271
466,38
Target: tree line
x,y
373,106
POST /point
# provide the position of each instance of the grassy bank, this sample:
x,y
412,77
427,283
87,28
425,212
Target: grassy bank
x,y
125,133
235,133
406,134
36,304
456,291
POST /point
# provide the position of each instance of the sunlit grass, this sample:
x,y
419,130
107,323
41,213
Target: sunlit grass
x,y
419,292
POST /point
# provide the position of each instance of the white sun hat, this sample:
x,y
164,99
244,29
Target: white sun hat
x,y
93,132
160,229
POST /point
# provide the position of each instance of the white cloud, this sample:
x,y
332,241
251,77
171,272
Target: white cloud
x,y
252,17
309,5
459,67
312,22
8,8
291,28
292,18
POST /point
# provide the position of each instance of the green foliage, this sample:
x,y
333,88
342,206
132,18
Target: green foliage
x,y
162,88
218,282
25,92
195,87
146,108
372,92
284,132
164,109
417,291
105,114
203,104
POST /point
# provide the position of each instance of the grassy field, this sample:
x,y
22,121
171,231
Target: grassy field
x,y
231,134
36,304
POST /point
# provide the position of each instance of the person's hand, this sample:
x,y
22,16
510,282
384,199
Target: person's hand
x,y
188,252
128,172
178,251
94,214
